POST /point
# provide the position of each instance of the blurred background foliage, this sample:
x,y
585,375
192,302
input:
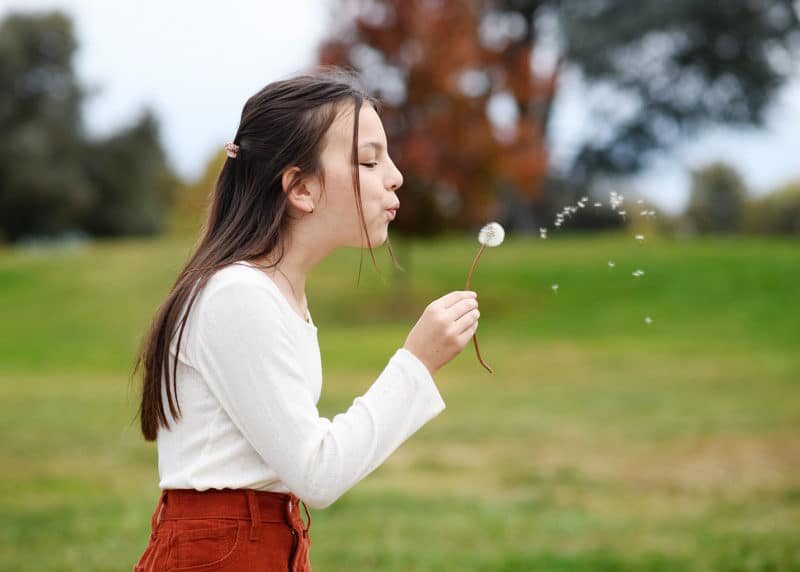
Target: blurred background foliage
x,y
469,87
467,118
53,178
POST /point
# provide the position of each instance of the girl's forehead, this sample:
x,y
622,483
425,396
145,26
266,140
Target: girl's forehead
x,y
370,127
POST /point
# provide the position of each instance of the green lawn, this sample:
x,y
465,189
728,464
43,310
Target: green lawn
x,y
601,442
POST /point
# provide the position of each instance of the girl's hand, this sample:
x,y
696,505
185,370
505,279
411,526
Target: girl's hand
x,y
444,328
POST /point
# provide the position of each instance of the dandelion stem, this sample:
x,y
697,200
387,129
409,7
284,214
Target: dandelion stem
x,y
469,283
474,265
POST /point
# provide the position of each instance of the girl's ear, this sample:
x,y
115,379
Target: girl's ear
x,y
298,190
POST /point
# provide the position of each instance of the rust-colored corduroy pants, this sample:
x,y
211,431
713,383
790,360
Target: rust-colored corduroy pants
x,y
229,529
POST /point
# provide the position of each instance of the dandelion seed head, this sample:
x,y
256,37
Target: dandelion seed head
x,y
492,234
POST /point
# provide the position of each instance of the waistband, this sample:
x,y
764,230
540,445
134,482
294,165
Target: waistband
x,y
258,507
238,504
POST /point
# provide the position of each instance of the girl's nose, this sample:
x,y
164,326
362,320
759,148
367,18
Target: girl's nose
x,y
395,180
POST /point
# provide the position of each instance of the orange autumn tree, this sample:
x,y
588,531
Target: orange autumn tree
x,y
464,111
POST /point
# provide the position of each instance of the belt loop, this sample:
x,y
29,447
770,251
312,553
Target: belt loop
x,y
289,507
255,514
162,499
308,516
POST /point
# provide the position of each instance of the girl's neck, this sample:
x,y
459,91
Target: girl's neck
x,y
290,280
290,273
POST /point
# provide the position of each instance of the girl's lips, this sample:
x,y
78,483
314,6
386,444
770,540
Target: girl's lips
x,y
392,212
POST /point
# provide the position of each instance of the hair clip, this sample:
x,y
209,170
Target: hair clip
x,y
232,150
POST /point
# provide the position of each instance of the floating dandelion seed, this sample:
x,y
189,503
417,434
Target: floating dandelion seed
x,y
644,213
648,320
622,213
490,235
542,233
616,200
638,273
640,202
598,205
555,288
611,264
639,237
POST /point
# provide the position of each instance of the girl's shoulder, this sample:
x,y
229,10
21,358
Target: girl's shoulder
x,y
237,274
238,289
242,283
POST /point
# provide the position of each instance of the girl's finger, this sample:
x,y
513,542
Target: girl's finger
x,y
461,308
454,297
467,321
465,335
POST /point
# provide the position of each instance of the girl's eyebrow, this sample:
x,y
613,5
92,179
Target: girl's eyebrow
x,y
377,146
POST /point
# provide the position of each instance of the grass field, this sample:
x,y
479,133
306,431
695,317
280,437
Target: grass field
x,y
601,443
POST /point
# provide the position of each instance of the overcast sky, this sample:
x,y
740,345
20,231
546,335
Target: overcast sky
x,y
195,63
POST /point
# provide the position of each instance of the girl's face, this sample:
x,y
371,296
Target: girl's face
x,y
378,175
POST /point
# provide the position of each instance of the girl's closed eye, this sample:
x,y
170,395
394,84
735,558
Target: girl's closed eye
x,y
369,164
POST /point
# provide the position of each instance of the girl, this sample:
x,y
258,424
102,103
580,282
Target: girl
x,y
231,366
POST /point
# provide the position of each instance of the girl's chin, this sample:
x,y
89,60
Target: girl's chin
x,y
377,238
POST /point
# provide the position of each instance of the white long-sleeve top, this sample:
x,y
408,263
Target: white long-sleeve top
x,y
249,379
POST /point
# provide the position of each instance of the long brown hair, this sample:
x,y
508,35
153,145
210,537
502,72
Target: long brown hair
x,y
282,126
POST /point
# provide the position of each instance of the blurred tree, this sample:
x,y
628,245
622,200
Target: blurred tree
x,y
658,71
777,212
132,185
468,86
54,179
43,189
717,201
464,111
